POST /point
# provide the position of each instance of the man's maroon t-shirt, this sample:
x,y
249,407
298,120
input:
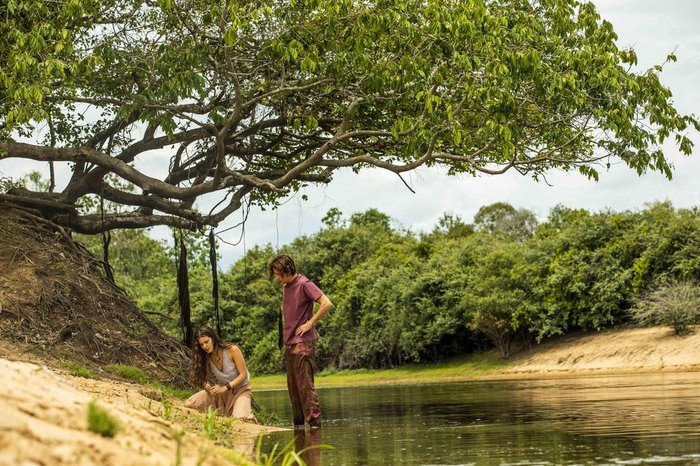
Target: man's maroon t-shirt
x,y
298,300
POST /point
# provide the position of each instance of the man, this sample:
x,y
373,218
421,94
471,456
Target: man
x,y
298,297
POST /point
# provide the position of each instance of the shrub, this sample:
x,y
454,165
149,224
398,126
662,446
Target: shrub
x,y
674,303
266,357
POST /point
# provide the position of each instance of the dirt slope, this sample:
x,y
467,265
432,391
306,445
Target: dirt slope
x,y
55,300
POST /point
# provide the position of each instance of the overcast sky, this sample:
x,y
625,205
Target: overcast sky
x,y
654,28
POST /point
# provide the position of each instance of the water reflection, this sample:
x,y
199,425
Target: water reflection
x,y
653,418
308,445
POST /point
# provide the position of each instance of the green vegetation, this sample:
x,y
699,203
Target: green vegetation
x,y
77,370
174,392
223,430
408,298
403,297
137,375
167,409
285,455
145,267
211,423
477,365
254,100
673,303
266,417
130,373
100,421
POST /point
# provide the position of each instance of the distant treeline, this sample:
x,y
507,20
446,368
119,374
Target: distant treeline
x,y
403,297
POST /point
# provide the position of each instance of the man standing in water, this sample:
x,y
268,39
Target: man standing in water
x,y
298,297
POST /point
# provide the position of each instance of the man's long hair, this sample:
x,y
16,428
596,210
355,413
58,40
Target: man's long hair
x,y
282,264
199,368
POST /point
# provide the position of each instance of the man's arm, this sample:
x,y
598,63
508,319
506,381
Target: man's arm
x,y
324,305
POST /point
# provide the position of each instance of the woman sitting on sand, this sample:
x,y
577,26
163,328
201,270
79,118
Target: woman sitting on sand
x,y
232,395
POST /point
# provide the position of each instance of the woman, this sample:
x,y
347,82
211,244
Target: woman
x,y
232,395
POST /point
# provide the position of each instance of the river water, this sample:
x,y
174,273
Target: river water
x,y
604,420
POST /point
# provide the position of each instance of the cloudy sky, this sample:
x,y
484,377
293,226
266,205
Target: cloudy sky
x,y
654,28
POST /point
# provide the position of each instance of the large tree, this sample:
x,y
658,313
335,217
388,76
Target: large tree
x,y
256,98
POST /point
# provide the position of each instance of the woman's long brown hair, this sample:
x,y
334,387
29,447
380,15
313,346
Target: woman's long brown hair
x,y
199,369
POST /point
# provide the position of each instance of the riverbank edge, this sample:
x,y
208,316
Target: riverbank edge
x,y
382,377
618,351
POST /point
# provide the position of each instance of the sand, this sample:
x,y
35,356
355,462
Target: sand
x,y
44,422
612,351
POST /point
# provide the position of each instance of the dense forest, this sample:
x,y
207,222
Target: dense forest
x,y
402,296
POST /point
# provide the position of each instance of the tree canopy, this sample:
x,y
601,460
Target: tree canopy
x,y
184,99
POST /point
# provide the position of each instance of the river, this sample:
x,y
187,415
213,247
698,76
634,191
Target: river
x,y
602,420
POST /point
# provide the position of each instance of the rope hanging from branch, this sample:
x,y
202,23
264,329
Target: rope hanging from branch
x,y
106,239
212,258
183,292
214,280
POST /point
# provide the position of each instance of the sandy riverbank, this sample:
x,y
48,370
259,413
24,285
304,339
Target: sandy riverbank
x,y
616,350
44,422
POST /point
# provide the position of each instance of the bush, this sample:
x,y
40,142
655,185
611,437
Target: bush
x,y
266,357
674,303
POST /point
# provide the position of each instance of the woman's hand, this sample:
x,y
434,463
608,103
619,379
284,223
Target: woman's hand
x,y
216,389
